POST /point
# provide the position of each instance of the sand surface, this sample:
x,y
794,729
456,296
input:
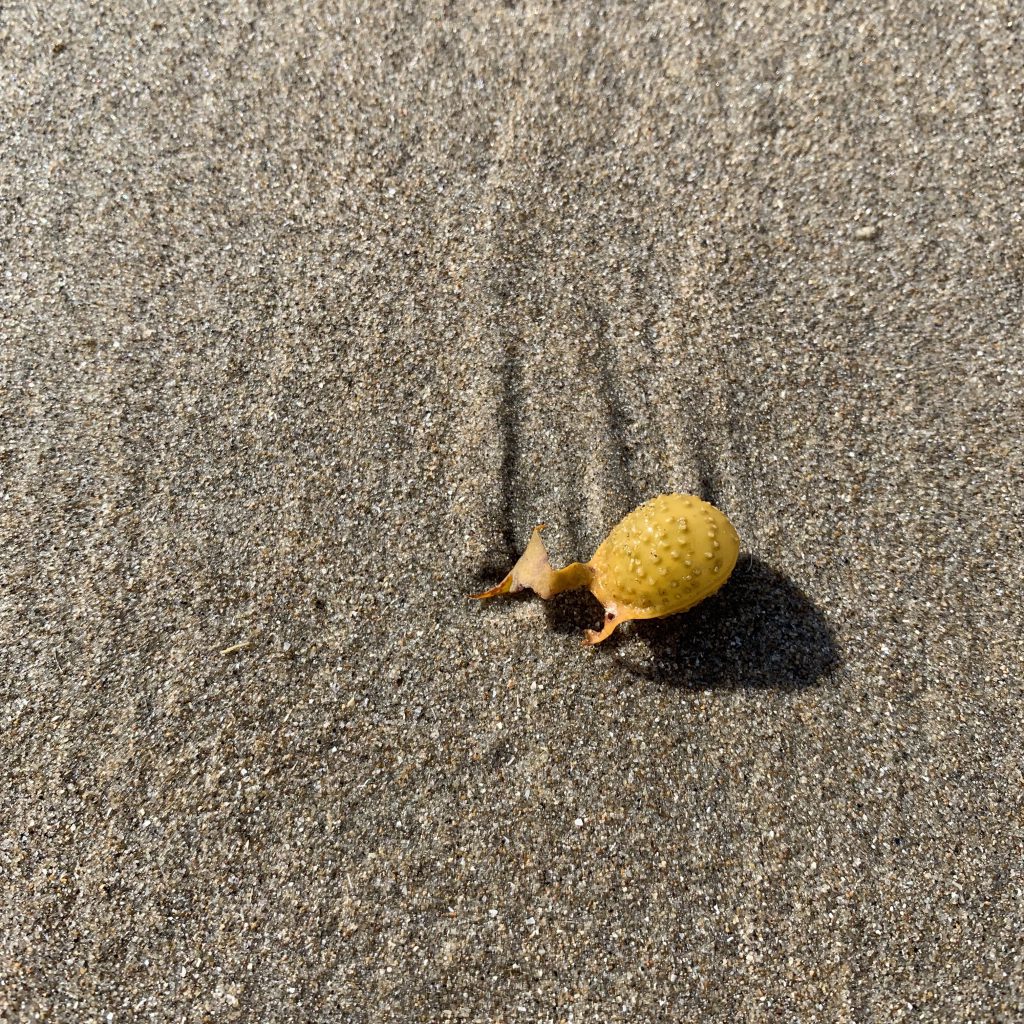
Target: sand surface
x,y
309,311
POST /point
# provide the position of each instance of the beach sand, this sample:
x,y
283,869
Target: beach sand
x,y
309,312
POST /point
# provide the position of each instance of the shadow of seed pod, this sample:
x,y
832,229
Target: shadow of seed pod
x,y
761,630
572,613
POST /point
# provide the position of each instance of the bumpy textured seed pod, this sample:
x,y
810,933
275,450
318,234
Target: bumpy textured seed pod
x,y
663,558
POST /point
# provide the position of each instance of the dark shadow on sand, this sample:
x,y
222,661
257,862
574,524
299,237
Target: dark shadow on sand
x,y
760,631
